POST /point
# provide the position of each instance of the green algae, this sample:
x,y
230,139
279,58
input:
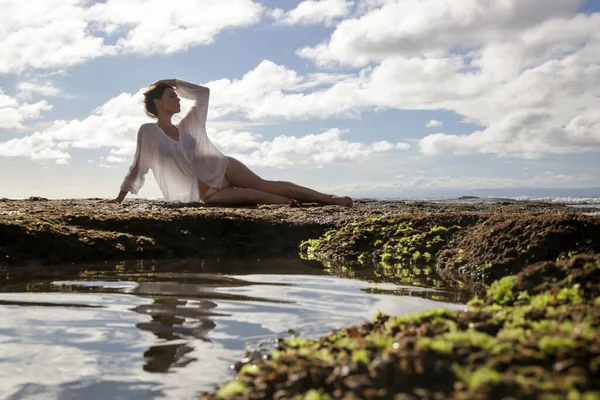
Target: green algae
x,y
381,341
575,394
360,356
437,315
475,301
390,245
553,344
570,295
472,338
325,355
362,259
249,369
502,291
313,394
231,388
308,248
387,258
592,265
296,342
541,300
447,342
477,378
397,250
439,345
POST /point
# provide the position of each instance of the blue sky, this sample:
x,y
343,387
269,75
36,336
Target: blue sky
x,y
366,98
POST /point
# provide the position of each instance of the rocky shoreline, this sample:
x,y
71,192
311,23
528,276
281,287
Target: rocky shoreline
x,y
530,330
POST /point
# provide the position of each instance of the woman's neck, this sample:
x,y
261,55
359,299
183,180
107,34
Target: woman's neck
x,y
164,121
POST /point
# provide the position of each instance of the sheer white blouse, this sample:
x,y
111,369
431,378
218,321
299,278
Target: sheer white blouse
x,y
178,165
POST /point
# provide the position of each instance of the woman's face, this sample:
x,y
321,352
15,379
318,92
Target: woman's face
x,y
169,102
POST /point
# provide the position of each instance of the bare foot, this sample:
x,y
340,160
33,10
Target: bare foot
x,y
342,201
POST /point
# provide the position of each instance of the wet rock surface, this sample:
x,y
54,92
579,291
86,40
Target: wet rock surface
x,y
50,232
467,249
530,330
41,231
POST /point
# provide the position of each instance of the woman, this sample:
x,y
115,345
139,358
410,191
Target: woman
x,y
189,168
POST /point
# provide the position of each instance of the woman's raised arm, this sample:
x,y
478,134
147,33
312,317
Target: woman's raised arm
x,y
200,95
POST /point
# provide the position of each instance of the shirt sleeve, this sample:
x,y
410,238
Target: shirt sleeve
x,y
200,95
134,179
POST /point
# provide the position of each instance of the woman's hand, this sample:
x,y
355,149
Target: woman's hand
x,y
117,200
168,82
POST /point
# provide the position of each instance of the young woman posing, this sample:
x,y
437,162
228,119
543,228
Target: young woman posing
x,y
188,167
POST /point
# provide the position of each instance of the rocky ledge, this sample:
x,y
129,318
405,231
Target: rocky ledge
x,y
529,331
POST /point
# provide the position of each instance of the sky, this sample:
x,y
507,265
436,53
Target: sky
x,y
371,98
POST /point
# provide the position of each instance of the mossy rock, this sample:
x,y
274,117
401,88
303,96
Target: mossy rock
x,y
502,245
532,335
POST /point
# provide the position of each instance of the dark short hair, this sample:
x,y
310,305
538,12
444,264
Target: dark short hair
x,y
155,92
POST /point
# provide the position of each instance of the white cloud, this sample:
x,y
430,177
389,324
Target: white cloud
x,y
434,124
113,125
37,146
414,27
564,90
152,26
549,108
527,71
314,12
14,112
530,78
45,34
313,149
523,134
274,91
115,159
42,34
27,89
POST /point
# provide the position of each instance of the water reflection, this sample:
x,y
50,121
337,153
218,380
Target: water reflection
x,y
167,324
171,328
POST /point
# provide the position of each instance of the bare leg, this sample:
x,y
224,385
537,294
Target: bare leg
x,y
232,195
240,176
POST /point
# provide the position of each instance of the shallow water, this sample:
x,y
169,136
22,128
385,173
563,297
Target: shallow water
x,y
171,329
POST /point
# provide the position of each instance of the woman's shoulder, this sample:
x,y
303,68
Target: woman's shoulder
x,y
147,126
149,131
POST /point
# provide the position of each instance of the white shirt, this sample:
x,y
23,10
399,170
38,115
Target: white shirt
x,y
178,165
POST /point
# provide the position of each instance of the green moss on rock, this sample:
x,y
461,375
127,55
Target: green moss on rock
x,y
502,291
522,339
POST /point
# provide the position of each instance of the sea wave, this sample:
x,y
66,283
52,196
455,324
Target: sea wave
x,y
571,201
563,200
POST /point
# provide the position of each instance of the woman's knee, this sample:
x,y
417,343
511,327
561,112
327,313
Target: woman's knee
x,y
212,199
241,176
265,185
217,196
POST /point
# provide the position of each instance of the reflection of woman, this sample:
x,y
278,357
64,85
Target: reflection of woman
x,y
169,323
188,167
